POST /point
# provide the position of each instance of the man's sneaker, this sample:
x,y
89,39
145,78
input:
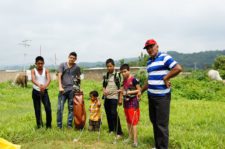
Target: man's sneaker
x,y
69,127
135,145
111,132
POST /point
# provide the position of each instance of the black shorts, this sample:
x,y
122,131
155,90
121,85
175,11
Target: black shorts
x,y
94,125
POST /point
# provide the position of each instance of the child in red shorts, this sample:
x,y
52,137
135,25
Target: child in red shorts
x,y
131,91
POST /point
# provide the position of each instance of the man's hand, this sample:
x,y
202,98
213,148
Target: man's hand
x,y
167,82
61,90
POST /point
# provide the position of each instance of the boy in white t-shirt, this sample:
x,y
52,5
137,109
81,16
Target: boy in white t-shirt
x,y
41,80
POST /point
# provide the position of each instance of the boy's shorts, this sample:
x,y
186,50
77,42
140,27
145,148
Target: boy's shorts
x,y
94,125
132,115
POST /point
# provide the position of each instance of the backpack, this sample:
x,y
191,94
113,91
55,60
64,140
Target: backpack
x,y
117,80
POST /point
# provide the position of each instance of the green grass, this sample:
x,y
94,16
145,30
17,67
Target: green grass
x,y
193,123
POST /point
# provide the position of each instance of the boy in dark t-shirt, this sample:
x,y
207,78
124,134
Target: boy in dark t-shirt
x,y
131,90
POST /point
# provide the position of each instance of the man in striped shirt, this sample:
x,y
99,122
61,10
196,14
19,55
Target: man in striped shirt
x,y
161,67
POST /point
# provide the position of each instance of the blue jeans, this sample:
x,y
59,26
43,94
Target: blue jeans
x,y
61,101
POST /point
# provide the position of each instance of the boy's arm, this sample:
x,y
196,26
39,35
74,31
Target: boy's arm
x,y
99,103
33,78
133,91
139,91
48,78
120,94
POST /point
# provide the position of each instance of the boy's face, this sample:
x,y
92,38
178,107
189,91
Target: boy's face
x,y
125,73
39,64
110,67
93,98
72,59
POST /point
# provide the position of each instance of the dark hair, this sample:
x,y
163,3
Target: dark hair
x,y
110,61
94,93
73,54
39,58
125,66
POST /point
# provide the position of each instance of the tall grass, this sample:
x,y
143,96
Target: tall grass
x,y
195,123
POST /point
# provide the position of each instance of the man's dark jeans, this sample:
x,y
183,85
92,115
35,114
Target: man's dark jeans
x,y
61,101
159,110
112,116
37,99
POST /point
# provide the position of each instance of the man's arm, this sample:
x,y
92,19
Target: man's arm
x,y
174,72
144,88
60,82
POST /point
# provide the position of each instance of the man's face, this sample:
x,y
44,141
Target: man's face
x,y
125,73
72,59
110,67
39,65
152,50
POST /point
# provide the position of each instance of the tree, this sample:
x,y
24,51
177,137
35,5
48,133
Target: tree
x,y
142,59
219,62
121,62
32,67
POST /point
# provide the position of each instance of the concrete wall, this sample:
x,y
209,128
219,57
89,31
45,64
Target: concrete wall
x,y
89,74
10,76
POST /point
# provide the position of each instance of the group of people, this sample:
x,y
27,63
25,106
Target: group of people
x,y
119,88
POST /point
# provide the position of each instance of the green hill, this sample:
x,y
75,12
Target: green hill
x,y
199,60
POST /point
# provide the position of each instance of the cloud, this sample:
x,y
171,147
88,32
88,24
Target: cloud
x,y
99,29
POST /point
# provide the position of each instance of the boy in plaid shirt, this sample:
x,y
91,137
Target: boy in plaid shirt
x,y
95,112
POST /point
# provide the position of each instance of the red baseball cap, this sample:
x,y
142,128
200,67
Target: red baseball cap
x,y
150,42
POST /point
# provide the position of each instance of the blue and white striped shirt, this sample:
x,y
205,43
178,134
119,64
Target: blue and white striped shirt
x,y
157,68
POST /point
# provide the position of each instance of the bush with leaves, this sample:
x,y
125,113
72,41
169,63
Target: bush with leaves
x,y
142,76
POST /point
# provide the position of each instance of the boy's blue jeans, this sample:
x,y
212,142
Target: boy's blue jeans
x,y
62,97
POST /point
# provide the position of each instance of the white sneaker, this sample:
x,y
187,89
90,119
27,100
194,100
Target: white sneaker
x,y
128,140
118,137
135,145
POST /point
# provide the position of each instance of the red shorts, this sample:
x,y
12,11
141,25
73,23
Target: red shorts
x,y
132,115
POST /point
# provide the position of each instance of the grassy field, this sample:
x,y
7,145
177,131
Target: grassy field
x,y
195,123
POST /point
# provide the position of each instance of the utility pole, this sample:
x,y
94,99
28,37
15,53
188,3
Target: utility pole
x,y
55,61
26,45
40,50
195,66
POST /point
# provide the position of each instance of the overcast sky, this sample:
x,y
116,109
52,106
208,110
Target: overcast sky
x,y
99,29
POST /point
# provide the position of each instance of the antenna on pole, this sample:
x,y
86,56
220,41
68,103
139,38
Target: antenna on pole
x,y
26,45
